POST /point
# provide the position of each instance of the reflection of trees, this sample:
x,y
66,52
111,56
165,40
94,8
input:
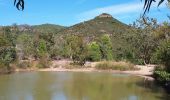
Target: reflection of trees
x,y
103,87
43,89
75,86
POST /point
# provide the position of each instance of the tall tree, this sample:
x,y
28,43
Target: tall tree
x,y
106,47
144,41
94,52
76,48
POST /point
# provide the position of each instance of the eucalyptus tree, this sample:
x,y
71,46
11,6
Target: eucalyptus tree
x,y
148,3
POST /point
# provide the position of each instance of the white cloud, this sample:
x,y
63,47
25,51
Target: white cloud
x,y
127,9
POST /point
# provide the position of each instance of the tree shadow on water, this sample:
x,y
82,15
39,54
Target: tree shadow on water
x,y
153,87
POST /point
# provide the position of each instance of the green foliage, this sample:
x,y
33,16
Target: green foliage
x,y
42,49
7,56
163,54
96,27
24,64
25,44
162,76
47,28
143,41
9,35
123,66
113,40
43,63
78,50
106,47
94,52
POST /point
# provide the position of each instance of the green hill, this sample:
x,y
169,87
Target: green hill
x,y
48,28
103,23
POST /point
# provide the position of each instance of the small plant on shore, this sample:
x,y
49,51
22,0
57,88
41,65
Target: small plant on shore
x,y
122,66
162,77
43,63
24,64
163,54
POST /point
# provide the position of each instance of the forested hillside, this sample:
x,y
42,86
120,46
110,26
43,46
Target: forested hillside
x,y
102,38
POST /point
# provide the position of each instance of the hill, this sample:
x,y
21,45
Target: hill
x,y
47,28
103,23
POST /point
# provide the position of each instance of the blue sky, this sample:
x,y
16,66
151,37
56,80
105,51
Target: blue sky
x,y
70,12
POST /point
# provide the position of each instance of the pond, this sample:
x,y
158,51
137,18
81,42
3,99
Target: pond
x,y
77,86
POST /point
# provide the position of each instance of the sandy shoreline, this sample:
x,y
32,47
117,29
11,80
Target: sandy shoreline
x,y
145,71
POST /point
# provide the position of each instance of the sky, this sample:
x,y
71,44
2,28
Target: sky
x,y
70,12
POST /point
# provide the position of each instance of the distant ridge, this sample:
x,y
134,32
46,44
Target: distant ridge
x,y
102,24
48,28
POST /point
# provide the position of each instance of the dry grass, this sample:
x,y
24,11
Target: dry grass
x,y
112,65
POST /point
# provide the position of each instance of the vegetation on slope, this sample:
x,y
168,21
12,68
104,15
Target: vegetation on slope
x,y
102,38
48,28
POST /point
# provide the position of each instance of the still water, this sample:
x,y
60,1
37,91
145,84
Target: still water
x,y
77,86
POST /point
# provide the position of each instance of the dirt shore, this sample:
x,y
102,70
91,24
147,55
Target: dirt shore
x,y
144,71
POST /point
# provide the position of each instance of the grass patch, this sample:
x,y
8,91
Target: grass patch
x,y
109,65
72,66
43,64
24,64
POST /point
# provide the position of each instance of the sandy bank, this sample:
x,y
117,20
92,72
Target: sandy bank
x,y
143,71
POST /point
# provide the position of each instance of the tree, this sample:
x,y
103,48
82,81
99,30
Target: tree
x,y
26,45
43,54
163,54
106,47
76,48
9,35
49,39
7,54
42,49
144,41
94,52
148,4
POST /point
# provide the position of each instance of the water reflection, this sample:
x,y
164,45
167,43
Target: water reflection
x,y
76,86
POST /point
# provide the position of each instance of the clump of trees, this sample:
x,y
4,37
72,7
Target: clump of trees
x,y
7,50
94,52
163,54
146,42
106,47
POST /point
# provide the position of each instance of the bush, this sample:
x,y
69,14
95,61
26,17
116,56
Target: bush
x,y
94,53
106,47
24,64
162,77
3,69
163,54
43,63
122,66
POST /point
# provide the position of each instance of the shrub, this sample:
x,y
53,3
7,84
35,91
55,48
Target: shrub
x,y
43,63
94,53
163,54
123,66
106,47
24,64
162,76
